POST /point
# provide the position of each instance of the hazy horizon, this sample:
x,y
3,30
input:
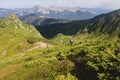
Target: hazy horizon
x,y
105,4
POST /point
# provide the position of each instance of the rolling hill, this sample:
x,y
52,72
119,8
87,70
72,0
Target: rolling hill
x,y
16,36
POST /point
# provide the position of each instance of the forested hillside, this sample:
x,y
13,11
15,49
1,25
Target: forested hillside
x,y
105,24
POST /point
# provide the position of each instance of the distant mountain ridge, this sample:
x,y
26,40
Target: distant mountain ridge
x,y
35,20
70,13
105,24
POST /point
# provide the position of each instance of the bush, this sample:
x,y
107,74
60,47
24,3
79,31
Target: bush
x,y
31,39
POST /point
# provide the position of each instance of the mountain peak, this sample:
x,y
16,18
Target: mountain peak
x,y
36,7
12,18
11,15
12,21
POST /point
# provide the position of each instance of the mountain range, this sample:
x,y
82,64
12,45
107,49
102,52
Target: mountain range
x,y
69,13
35,20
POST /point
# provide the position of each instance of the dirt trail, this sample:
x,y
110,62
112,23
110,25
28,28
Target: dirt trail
x,y
38,45
11,68
35,46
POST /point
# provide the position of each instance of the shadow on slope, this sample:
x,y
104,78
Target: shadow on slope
x,y
104,24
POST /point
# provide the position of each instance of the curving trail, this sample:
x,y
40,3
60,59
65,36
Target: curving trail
x,y
38,45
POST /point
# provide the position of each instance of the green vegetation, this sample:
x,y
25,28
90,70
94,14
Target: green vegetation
x,y
102,26
85,60
93,56
16,36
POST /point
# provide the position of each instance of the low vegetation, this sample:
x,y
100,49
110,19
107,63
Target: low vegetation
x,y
88,58
16,36
85,60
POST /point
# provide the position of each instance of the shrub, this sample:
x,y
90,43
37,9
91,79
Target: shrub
x,y
31,39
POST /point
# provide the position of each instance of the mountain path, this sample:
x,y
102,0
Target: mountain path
x,y
38,45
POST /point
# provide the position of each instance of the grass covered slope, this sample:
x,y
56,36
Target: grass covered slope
x,y
85,60
16,36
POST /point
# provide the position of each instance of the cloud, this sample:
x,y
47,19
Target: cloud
x,y
109,4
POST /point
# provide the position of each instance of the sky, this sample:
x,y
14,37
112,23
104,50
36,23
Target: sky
x,y
107,4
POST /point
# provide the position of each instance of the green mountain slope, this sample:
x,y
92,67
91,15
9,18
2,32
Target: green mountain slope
x,y
16,36
105,24
85,60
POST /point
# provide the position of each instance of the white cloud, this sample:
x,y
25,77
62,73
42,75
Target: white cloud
x,y
110,4
50,2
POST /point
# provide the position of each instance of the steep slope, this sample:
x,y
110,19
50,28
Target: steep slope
x,y
64,28
106,24
16,36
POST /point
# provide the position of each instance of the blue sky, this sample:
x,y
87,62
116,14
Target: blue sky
x,y
109,4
